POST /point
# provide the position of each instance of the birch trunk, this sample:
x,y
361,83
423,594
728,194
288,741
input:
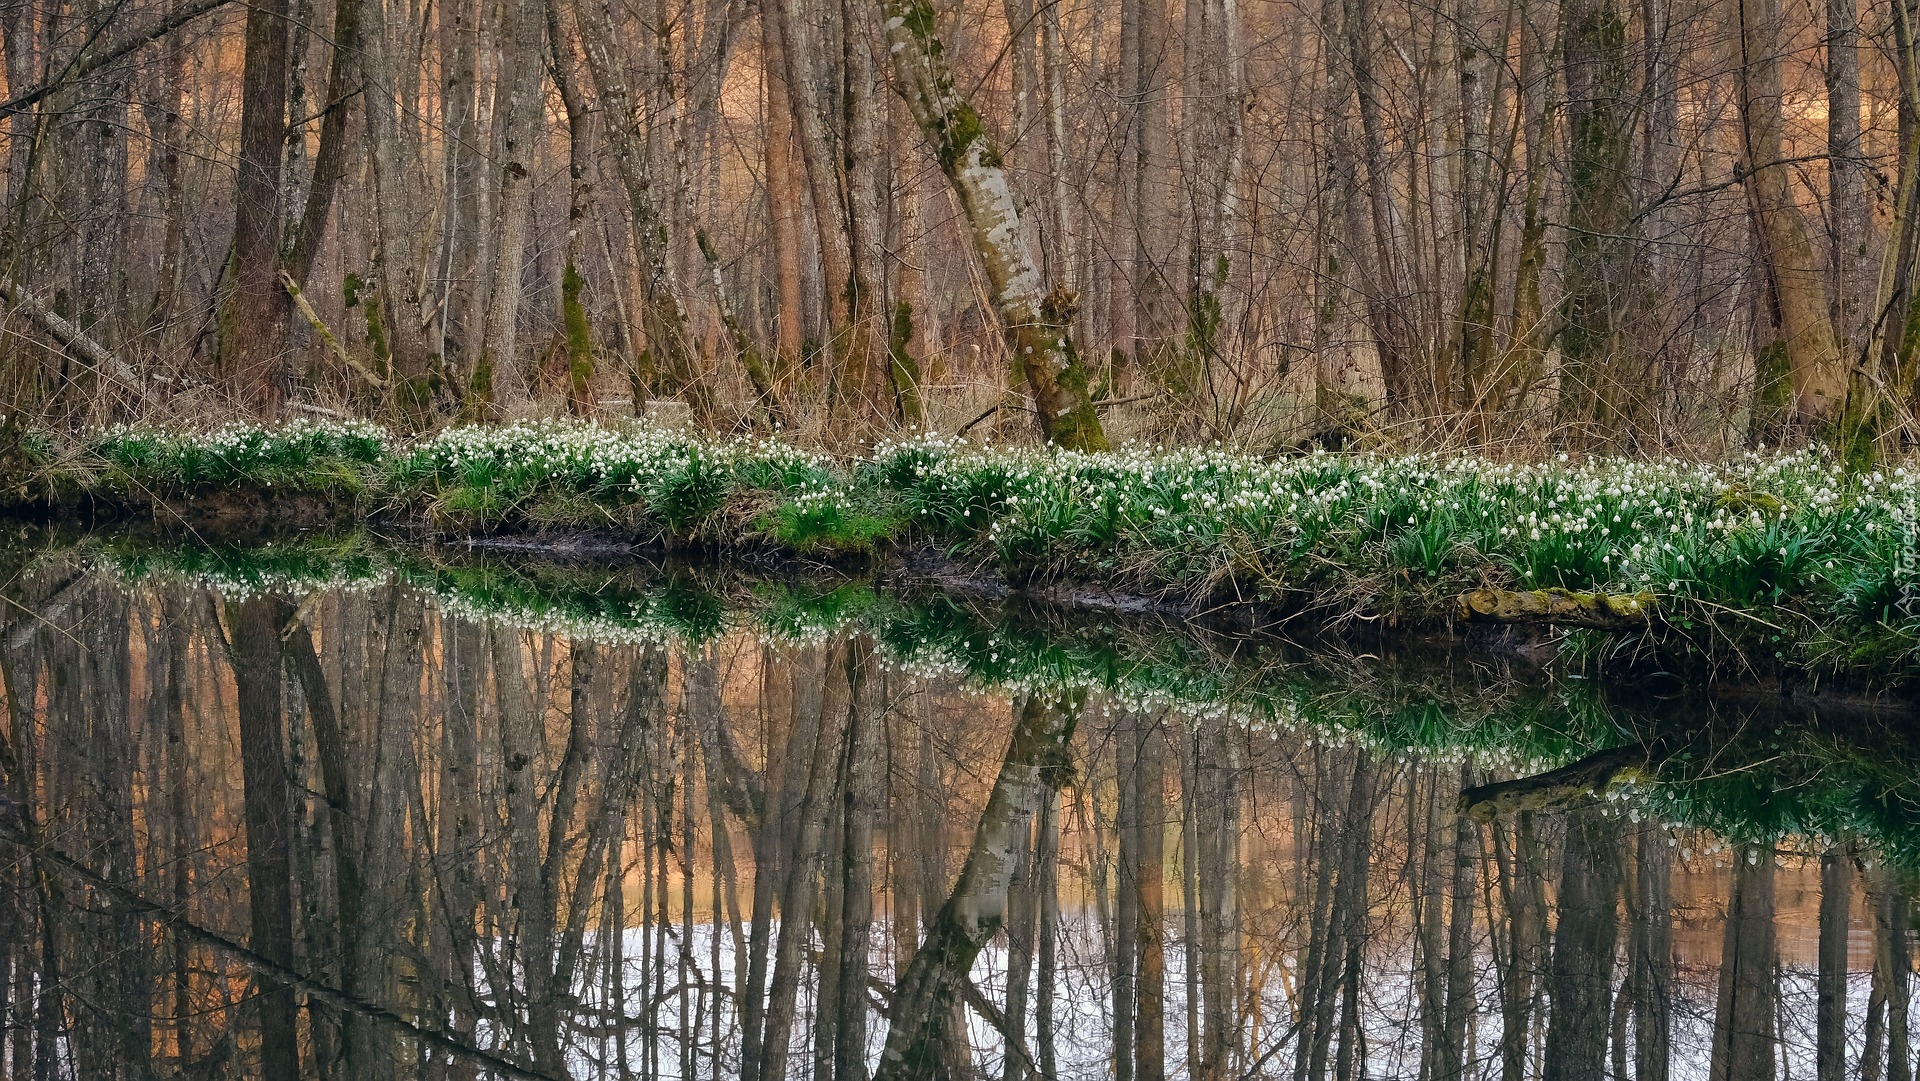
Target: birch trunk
x,y
1038,322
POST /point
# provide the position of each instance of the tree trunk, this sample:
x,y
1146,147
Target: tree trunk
x,y
1830,1000
1146,84
1149,884
1744,1032
525,68
254,336
670,336
1848,215
1601,384
786,201
573,308
386,99
1581,979
1651,963
1801,318
861,806
330,161
1038,322
1373,237
975,910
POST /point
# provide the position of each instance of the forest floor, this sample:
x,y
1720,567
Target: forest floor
x,y
1781,565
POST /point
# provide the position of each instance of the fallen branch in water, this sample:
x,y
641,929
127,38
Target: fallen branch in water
x,y
1555,789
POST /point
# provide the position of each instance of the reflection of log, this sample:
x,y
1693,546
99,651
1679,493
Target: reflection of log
x,y
1555,789
1605,611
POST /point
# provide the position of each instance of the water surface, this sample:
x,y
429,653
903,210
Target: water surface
x,y
339,811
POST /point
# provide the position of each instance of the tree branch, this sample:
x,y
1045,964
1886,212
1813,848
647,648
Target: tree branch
x,y
79,68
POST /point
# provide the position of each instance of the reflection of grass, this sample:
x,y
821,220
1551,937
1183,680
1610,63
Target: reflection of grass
x,y
1753,775
298,566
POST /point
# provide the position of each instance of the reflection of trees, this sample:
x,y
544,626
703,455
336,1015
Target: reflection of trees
x,y
347,836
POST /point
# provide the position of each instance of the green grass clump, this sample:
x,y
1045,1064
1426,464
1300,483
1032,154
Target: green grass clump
x,y
344,459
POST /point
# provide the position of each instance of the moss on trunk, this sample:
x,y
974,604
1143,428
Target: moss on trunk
x,y
904,367
573,314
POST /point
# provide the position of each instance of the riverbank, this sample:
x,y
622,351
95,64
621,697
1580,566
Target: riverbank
x,y
1767,564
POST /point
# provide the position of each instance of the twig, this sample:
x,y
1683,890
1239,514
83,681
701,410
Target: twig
x,y
262,965
79,69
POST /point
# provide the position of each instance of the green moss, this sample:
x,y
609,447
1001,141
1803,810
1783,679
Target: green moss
x,y
902,365
960,130
579,337
1772,395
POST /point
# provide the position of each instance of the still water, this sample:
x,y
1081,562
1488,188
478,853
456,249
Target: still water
x,y
338,811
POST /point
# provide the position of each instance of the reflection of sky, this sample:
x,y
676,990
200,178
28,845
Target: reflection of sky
x,y
1084,1036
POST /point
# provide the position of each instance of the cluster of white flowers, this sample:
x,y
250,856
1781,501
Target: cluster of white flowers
x,y
1605,522
239,447
1598,522
240,583
640,624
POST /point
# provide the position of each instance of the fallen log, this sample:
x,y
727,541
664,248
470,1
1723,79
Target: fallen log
x,y
1603,611
71,338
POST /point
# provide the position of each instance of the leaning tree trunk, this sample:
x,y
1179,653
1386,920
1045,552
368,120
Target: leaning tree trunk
x,y
1038,322
330,160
